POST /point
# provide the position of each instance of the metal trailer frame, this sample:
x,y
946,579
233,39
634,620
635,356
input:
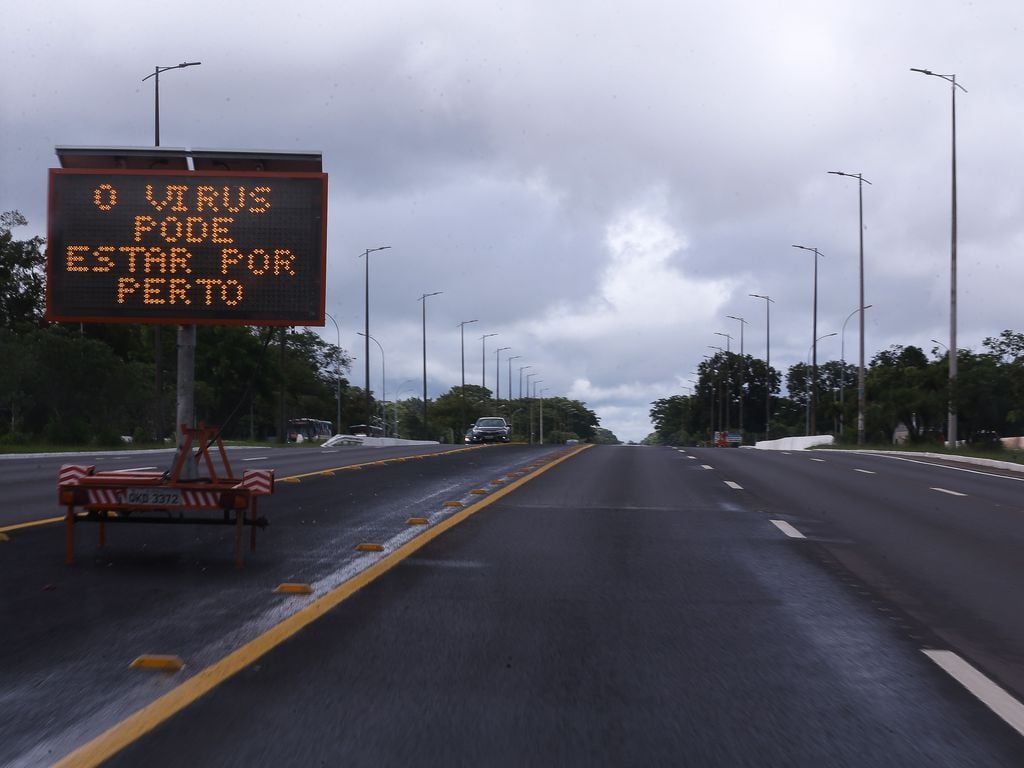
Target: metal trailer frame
x,y
165,497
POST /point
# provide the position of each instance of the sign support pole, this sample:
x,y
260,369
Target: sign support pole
x,y
186,386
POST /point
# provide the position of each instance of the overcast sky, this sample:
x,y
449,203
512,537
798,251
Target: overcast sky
x,y
600,184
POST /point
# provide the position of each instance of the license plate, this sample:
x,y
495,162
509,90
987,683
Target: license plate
x,y
161,496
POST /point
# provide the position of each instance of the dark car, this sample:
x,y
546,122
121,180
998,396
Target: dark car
x,y
489,429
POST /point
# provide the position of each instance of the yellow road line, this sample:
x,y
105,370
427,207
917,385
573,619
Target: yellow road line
x,y
108,744
377,463
19,526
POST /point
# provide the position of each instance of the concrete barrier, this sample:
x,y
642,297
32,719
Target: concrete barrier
x,y
372,442
794,443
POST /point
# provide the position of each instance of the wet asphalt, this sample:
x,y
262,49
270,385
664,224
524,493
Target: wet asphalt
x,y
626,607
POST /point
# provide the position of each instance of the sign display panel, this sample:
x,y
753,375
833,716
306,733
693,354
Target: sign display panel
x,y
187,247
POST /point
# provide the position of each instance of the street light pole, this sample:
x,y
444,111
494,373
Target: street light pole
x,y
543,390
337,424
366,330
497,371
951,436
842,387
521,369
423,299
383,385
727,386
186,333
156,94
513,357
810,412
742,323
462,336
483,359
861,181
723,413
530,415
814,337
768,301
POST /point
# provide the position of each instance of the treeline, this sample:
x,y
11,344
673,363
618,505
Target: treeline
x,y
904,388
94,384
556,419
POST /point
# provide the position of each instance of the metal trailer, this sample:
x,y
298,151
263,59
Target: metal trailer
x,y
175,497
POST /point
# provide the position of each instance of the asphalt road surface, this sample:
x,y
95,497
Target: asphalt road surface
x,y
619,606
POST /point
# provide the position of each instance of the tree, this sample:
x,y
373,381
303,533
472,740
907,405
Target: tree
x,y
67,388
905,389
445,414
670,416
604,436
1008,349
727,383
22,275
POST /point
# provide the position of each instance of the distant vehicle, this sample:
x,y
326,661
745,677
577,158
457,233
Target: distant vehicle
x,y
309,430
489,429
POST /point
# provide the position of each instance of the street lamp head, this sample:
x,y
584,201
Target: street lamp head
x,y
809,248
158,69
467,322
368,251
759,296
859,177
948,78
428,295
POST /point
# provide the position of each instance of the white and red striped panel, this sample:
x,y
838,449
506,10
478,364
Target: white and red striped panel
x,y
106,495
70,474
260,482
200,498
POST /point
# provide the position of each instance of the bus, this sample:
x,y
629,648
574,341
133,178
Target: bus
x,y
309,430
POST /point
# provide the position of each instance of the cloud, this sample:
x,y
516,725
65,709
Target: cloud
x,y
599,187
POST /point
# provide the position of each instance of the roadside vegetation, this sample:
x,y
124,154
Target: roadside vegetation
x,y
906,393
71,385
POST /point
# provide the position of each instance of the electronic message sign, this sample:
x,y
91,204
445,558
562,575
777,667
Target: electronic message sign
x,y
186,247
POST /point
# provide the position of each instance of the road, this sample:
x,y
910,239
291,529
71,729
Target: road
x,y
624,605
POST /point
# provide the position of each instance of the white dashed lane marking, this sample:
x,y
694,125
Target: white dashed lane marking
x,y
706,466
951,493
734,486
787,529
988,692
865,471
